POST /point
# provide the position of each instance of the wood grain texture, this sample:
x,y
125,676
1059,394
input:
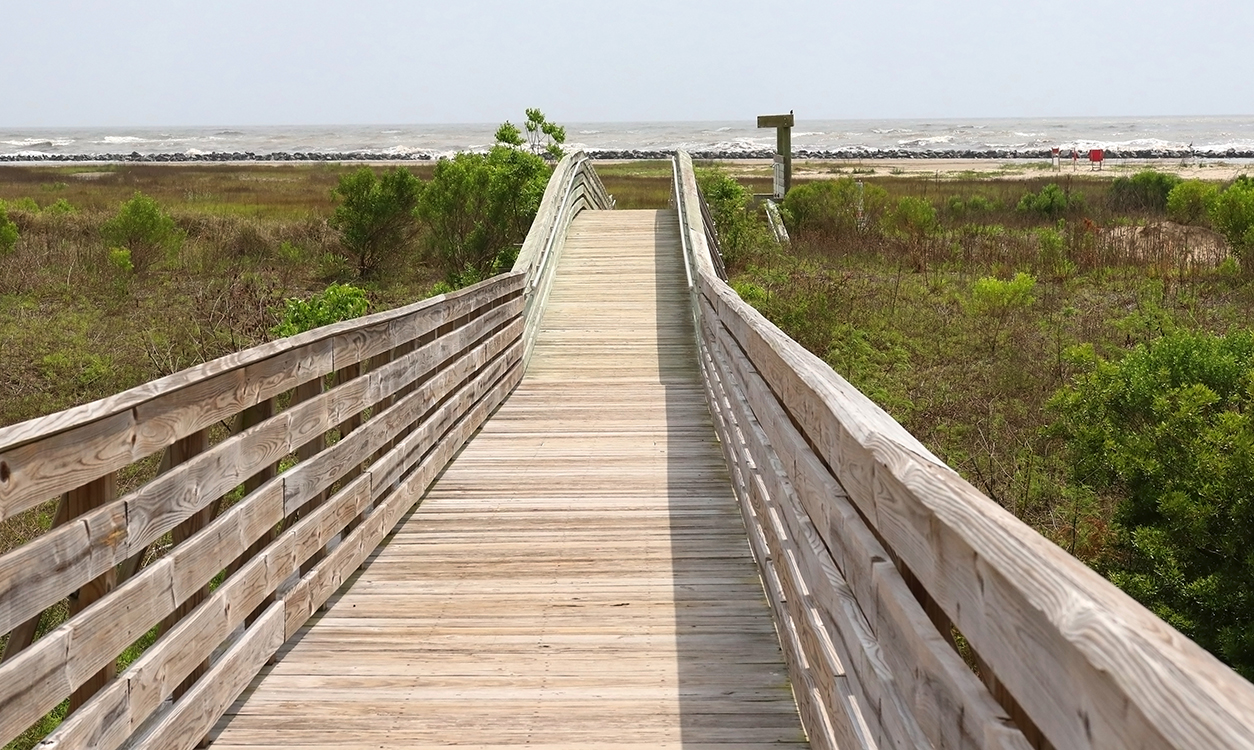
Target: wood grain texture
x,y
577,577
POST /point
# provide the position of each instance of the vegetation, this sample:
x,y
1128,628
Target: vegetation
x,y
8,231
1232,214
543,137
1051,202
143,228
1143,191
478,207
731,205
336,303
1190,202
375,217
1167,432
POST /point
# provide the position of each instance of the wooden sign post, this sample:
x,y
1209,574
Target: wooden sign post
x,y
783,149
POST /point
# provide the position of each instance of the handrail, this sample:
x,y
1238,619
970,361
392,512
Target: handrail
x,y
330,436
874,553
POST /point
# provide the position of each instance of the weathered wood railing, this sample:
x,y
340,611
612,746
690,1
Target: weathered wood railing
x,y
875,555
284,466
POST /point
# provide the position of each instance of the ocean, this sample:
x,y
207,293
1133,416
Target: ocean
x,y
1231,136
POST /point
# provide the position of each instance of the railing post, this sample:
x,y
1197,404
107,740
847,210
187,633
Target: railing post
x,y
77,502
178,453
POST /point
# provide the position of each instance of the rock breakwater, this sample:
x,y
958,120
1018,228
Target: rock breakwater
x,y
720,155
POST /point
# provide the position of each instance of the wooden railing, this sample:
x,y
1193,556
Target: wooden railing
x,y
877,558
283,467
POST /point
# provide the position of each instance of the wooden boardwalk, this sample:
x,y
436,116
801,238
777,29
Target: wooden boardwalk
x,y
578,578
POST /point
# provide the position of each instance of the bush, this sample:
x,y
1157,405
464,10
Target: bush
x,y
336,303
1232,215
738,227
478,207
375,217
1169,432
8,231
1190,201
830,208
1051,202
912,217
142,226
997,301
60,207
1143,191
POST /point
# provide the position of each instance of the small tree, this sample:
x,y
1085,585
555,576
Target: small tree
x,y
144,228
478,207
832,208
1051,202
375,217
738,227
1147,191
543,137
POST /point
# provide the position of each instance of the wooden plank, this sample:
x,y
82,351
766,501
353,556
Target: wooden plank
x,y
23,635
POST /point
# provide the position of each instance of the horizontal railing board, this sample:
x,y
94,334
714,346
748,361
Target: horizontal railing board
x,y
45,456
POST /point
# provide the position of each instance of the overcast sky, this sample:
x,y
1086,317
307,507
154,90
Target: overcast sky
x,y
280,62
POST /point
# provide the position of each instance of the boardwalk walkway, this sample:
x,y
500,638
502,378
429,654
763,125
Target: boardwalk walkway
x,y
578,578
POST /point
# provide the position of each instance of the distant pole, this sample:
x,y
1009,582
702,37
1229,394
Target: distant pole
x,y
783,150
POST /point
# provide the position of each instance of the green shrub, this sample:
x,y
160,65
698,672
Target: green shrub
x,y
912,217
997,301
375,215
8,231
142,226
1169,432
60,207
336,303
1144,191
120,258
477,207
738,226
25,204
1232,215
1051,202
1190,201
830,208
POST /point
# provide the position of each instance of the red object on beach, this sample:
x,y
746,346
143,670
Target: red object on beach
x,y
1096,154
